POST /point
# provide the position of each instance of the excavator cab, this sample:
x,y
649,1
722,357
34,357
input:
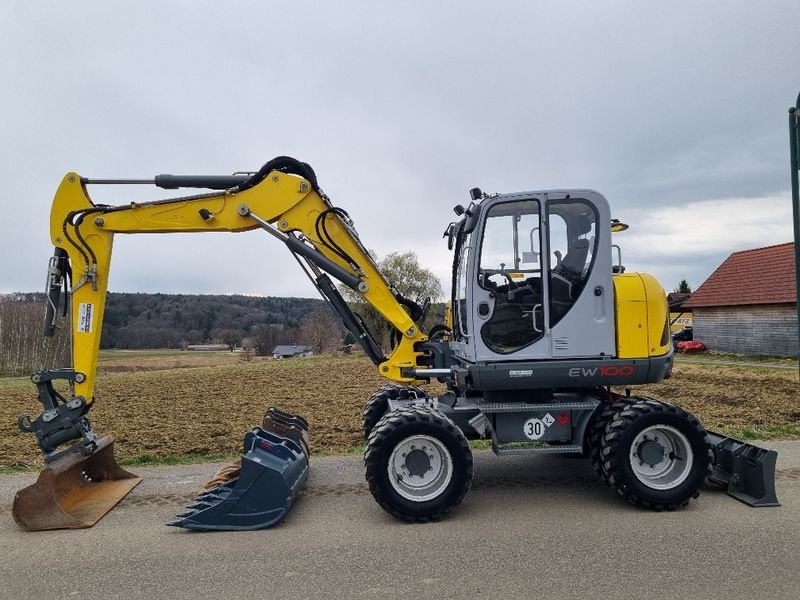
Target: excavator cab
x,y
533,278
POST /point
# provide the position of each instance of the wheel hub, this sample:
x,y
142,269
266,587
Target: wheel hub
x,y
651,452
420,468
418,463
661,457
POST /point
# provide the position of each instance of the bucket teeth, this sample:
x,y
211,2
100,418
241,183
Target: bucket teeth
x,y
274,468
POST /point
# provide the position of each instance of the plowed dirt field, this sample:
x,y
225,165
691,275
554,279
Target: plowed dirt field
x,y
164,404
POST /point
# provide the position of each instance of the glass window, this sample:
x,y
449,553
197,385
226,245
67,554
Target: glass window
x,y
573,241
461,287
510,266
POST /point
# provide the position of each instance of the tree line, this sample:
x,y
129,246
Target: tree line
x,y
23,349
142,321
151,321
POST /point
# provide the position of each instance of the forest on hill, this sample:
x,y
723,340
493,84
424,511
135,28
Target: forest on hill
x,y
145,321
170,321
176,320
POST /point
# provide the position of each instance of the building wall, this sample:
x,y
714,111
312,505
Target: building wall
x,y
769,329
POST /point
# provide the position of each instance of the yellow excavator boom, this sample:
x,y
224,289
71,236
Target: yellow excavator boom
x,y
282,198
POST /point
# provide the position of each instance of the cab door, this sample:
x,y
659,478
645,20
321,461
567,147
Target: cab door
x,y
580,290
509,300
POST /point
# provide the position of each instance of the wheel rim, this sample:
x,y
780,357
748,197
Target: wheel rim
x,y
420,468
661,457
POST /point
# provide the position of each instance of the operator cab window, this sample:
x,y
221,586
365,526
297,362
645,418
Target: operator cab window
x,y
573,241
511,267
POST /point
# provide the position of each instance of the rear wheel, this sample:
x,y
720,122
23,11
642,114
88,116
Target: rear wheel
x,y
656,455
418,464
378,403
597,431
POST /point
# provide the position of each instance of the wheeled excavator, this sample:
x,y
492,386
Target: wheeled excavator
x,y
545,337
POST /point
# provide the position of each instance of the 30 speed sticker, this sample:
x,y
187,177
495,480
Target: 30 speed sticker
x,y
534,429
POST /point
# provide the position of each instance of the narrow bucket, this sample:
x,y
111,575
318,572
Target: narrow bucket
x,y
74,491
274,469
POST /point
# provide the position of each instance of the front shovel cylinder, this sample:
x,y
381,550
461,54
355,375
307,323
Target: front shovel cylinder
x,y
74,491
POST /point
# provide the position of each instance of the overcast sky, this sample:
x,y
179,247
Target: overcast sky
x,y
675,111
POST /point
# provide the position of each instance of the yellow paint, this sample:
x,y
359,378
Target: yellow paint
x,y
657,316
631,315
680,321
641,312
286,200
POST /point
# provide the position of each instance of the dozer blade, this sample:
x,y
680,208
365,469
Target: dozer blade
x,y
274,469
747,471
74,491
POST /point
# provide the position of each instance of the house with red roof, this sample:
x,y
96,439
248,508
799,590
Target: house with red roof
x,y
749,304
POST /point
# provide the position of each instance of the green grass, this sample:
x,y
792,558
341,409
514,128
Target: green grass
x,y
12,469
767,432
749,358
183,459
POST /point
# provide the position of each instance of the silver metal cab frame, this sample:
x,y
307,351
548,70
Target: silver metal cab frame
x,y
586,330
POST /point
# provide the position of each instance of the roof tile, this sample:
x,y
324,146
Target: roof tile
x,y
757,276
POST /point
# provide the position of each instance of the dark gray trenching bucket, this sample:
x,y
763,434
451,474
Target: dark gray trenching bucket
x,y
274,470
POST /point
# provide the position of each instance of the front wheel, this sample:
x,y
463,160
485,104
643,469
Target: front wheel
x,y
656,455
418,464
378,403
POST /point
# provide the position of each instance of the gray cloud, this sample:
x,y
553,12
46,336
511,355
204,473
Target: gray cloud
x,y
400,109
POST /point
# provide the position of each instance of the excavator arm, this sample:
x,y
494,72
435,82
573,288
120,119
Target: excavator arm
x,y
278,199
282,198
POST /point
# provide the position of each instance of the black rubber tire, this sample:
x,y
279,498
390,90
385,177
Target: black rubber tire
x,y
378,403
597,429
619,436
392,429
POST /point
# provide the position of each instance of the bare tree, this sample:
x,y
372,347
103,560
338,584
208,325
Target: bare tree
x,y
409,277
320,329
23,350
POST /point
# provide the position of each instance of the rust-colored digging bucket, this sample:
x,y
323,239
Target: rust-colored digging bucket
x,y
74,491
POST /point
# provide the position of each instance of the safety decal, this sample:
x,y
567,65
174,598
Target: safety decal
x,y
85,317
534,429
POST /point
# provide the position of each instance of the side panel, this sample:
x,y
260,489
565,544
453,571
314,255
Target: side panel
x,y
658,336
642,316
631,311
581,373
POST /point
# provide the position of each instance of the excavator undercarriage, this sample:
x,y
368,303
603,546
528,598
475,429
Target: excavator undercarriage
x,y
543,326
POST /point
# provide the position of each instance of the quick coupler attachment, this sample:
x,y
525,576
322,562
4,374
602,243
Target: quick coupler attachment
x,y
747,471
274,469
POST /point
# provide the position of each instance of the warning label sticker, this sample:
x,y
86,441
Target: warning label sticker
x,y
85,316
548,419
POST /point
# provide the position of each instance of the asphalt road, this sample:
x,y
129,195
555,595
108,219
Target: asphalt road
x,y
532,527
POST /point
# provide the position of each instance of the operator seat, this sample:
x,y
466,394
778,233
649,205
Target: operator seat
x,y
566,282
